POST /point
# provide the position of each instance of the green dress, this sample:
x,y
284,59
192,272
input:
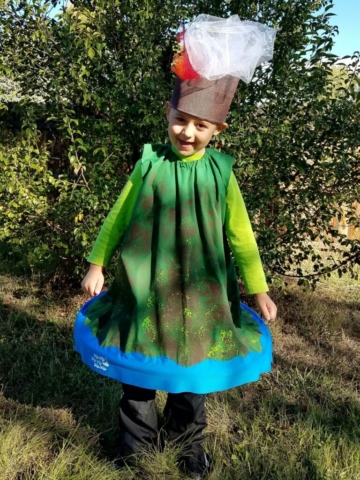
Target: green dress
x,y
175,295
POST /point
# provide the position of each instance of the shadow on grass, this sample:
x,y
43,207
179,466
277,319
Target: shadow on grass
x,y
297,430
59,422
331,403
39,367
313,314
304,468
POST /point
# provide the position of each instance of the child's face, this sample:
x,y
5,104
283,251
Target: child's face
x,y
190,134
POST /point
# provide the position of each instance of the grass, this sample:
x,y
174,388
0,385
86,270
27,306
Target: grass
x,y
300,422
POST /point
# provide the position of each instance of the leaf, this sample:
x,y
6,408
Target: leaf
x,y
91,52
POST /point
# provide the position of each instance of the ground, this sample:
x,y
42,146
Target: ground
x,y
299,422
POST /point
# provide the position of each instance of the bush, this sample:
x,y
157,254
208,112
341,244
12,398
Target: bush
x,y
103,70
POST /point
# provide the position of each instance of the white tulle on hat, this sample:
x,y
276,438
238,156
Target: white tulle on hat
x,y
217,47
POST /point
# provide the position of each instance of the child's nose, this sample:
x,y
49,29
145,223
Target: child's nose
x,y
187,131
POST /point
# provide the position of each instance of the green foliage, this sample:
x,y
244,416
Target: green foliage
x,y
339,79
103,69
25,187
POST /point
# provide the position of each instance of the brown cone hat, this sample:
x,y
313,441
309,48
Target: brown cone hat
x,y
207,99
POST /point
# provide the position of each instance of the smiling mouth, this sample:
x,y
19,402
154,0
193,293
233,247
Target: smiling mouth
x,y
182,142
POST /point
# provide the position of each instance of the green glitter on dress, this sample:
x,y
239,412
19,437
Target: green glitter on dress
x,y
175,292
149,328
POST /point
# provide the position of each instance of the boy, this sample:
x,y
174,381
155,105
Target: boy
x,y
171,319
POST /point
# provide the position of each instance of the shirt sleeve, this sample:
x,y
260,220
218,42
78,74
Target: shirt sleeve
x,y
117,220
242,240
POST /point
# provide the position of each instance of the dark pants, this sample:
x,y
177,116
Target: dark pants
x,y
184,413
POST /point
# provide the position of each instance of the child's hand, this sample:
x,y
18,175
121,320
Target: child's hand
x,y
94,280
267,306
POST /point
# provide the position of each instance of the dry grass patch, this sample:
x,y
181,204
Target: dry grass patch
x,y
45,444
221,422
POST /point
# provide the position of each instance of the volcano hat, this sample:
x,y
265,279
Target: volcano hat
x,y
215,53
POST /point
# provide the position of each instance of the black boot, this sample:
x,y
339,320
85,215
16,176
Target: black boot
x,y
196,464
138,423
186,418
186,421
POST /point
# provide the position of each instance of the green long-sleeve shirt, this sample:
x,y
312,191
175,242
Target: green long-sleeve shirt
x,y
237,223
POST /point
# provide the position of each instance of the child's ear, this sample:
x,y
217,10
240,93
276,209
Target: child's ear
x,y
167,109
220,127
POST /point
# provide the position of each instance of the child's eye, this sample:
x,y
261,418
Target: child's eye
x,y
179,119
201,125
